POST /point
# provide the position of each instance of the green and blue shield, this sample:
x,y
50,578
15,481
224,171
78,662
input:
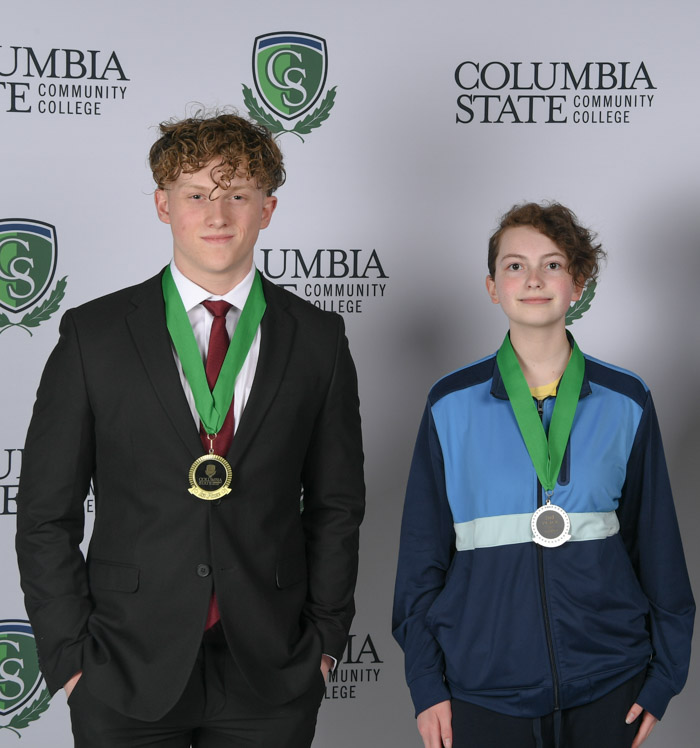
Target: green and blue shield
x,y
28,251
289,70
20,676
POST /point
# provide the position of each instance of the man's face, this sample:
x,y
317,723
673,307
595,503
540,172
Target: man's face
x,y
214,237
532,281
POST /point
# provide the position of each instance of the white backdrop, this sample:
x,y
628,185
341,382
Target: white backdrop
x,y
390,171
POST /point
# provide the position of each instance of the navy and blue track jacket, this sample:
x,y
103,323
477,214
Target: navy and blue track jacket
x,y
487,616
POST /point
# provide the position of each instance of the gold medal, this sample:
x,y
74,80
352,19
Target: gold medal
x,y
550,526
210,477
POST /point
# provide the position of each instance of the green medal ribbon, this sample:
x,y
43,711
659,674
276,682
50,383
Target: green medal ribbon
x,y
546,454
212,406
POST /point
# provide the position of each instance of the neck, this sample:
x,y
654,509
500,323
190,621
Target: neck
x,y
217,284
542,354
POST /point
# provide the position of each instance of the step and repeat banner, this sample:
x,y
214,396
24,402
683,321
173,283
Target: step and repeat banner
x,y
408,129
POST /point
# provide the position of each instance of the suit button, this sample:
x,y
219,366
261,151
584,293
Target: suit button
x,y
203,570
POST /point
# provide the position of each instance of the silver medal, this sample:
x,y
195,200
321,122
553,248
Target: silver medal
x,y
550,526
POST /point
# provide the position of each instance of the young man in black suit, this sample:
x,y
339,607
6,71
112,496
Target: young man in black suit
x,y
218,587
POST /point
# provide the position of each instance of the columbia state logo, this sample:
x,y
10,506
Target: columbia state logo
x,y
23,693
580,307
28,255
289,72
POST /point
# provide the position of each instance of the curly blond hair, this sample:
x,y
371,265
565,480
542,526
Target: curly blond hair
x,y
231,144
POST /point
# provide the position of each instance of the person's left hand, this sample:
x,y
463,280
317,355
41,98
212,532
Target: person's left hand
x,y
645,726
326,666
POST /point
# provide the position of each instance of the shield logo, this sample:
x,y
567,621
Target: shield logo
x,y
28,251
20,676
289,70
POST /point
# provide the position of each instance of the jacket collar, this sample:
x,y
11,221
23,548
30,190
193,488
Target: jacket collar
x,y
277,337
149,332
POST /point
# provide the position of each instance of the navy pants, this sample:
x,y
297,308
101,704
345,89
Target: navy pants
x,y
600,724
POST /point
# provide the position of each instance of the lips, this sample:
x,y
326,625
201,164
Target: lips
x,y
536,300
217,238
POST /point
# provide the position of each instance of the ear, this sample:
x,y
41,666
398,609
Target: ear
x,y
162,208
268,208
491,289
577,292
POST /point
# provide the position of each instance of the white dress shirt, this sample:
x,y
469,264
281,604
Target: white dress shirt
x,y
192,297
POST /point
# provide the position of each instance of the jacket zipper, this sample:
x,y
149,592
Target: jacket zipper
x,y
543,593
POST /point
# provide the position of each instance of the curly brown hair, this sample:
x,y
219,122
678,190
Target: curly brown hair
x,y
232,143
559,224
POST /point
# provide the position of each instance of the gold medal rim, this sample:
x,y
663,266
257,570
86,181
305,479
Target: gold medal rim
x,y
562,538
200,493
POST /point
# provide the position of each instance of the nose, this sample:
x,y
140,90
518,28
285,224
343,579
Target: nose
x,y
534,279
216,215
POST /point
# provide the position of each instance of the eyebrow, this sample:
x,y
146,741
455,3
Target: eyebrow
x,y
208,189
515,256
195,187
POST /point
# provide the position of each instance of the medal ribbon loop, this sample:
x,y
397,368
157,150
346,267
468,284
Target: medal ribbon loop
x,y
212,406
546,453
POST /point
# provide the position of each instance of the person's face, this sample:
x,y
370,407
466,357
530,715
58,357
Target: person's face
x,y
532,282
214,238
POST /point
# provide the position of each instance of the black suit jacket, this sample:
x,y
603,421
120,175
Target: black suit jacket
x,y
111,409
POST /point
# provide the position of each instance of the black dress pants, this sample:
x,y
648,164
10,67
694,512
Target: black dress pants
x,y
216,710
600,724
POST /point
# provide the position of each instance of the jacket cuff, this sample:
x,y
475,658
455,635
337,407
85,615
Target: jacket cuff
x,y
654,697
428,690
66,667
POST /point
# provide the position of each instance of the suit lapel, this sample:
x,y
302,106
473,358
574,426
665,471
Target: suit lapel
x,y
277,335
150,334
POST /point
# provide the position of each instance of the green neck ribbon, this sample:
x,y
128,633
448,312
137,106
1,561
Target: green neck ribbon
x,y
212,406
546,453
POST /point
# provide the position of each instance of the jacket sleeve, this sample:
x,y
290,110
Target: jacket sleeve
x,y
425,553
334,494
57,467
649,527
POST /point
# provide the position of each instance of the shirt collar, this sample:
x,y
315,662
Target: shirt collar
x,y
192,294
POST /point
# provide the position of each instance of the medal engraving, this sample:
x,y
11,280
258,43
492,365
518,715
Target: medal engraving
x,y
550,526
210,477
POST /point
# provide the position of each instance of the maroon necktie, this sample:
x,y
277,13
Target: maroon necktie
x,y
218,346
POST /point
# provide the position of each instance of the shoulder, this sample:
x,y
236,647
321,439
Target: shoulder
x,y
480,372
120,301
616,380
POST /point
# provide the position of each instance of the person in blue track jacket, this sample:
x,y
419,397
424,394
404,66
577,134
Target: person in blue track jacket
x,y
542,597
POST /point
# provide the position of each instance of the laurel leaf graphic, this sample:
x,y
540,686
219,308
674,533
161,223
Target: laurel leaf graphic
x,y
577,310
259,114
4,320
42,312
306,125
32,712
